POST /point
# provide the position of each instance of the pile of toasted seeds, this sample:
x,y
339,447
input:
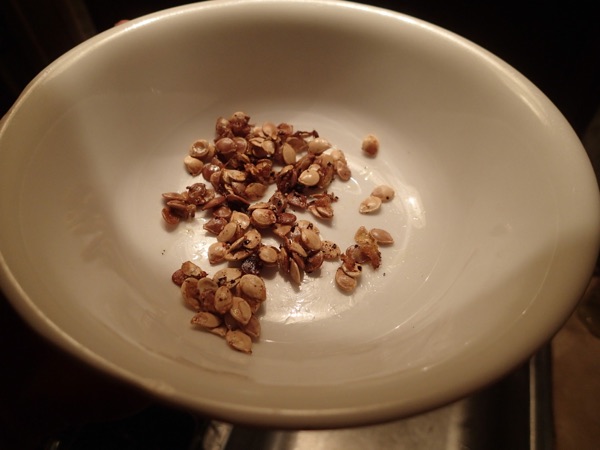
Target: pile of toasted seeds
x,y
238,167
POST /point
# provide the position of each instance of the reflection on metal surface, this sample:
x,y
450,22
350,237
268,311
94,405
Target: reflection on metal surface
x,y
514,413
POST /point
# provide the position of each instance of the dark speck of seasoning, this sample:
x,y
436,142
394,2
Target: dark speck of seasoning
x,y
384,274
163,252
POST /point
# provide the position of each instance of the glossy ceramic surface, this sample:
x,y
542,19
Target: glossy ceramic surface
x,y
496,214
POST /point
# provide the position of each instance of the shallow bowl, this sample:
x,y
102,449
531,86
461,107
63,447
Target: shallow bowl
x,y
495,217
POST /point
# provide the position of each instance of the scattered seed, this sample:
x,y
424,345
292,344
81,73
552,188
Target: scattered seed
x,y
369,205
370,145
384,192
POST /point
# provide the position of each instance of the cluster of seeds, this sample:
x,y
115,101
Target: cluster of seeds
x,y
238,167
226,303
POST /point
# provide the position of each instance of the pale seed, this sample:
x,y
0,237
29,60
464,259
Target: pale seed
x,y
369,205
345,282
309,177
228,232
318,146
384,192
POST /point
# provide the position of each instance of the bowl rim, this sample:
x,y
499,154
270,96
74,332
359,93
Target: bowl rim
x,y
292,418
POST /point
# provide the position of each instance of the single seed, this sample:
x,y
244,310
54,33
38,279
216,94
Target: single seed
x,y
318,146
345,282
193,165
239,340
369,205
370,145
384,192
206,320
381,236
253,287
223,299
309,177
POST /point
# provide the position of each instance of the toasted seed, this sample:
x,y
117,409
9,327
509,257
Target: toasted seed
x,y
314,261
228,232
216,252
252,287
190,293
263,218
240,310
252,239
296,247
206,284
370,145
206,320
239,340
309,177
369,205
192,270
252,328
330,250
288,154
229,276
381,236
193,165
243,220
318,146
295,272
223,299
345,282
384,192
220,331
310,239
202,149
268,254
255,191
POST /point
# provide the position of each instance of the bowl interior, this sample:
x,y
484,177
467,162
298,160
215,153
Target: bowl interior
x,y
494,219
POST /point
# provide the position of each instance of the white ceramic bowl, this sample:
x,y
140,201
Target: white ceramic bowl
x,y
496,216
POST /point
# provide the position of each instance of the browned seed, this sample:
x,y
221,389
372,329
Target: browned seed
x,y
169,217
228,233
263,218
240,310
239,340
190,269
202,149
310,239
370,145
331,250
229,276
252,328
193,165
268,254
295,272
223,299
252,287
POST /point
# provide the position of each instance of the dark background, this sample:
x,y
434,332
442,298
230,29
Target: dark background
x,y
556,44
47,396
